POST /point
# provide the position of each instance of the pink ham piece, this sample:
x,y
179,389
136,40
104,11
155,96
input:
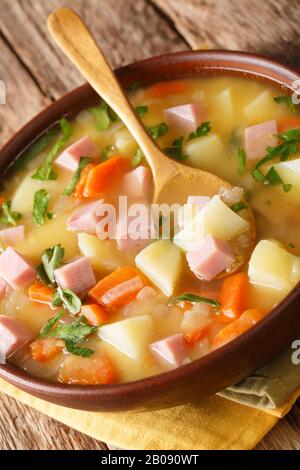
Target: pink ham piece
x,y
211,258
13,335
3,286
10,236
78,275
15,270
135,237
138,183
185,118
171,350
259,137
70,157
84,219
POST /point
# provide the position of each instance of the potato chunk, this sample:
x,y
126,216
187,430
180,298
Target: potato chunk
x,y
262,108
272,266
131,336
104,255
161,262
204,152
216,219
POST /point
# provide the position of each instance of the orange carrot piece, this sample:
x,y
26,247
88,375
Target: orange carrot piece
x,y
40,293
95,314
192,337
94,370
2,200
118,288
161,89
237,327
233,297
289,123
44,349
104,176
79,188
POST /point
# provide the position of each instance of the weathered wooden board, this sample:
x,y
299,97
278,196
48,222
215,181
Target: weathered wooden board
x,y
267,27
36,73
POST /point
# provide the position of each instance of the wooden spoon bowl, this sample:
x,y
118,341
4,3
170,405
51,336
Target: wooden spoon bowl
x,y
173,181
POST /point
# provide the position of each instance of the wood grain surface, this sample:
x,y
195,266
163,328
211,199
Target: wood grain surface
x,y
36,73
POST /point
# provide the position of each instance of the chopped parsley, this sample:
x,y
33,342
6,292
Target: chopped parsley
x,y
238,206
241,161
137,158
158,131
40,206
201,131
141,110
9,217
83,162
68,299
102,116
287,101
105,152
187,297
45,171
51,259
175,150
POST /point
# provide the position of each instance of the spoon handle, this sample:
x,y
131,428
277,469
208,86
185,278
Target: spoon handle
x,y
73,37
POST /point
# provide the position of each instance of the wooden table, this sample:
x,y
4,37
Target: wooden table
x,y
36,74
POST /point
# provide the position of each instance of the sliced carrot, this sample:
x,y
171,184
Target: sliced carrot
x,y
161,89
118,288
233,297
41,293
192,337
79,188
237,327
104,176
44,349
289,123
94,370
2,200
95,314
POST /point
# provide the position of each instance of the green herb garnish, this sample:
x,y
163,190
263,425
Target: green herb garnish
x,y
9,217
83,162
201,131
45,171
195,298
287,187
272,177
70,301
238,206
287,101
137,158
51,260
258,175
34,150
141,110
105,152
241,160
291,245
101,115
40,206
50,324
175,150
72,348
158,131
134,86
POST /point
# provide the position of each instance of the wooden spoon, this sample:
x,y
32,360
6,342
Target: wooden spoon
x,y
173,181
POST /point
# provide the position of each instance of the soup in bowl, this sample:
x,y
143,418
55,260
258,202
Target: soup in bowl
x,y
98,286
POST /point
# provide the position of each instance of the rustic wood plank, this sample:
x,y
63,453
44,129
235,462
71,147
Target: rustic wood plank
x,y
23,97
23,428
266,27
127,31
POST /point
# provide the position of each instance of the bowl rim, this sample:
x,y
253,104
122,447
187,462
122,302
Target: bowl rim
x,y
197,62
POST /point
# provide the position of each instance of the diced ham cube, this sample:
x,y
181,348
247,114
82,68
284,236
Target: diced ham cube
x,y
15,270
70,157
84,218
129,235
78,275
12,235
3,286
211,258
138,183
13,335
259,137
184,118
171,350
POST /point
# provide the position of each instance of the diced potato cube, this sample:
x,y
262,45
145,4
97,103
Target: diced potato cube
x,y
272,266
216,219
223,109
204,152
262,108
22,199
124,141
131,336
104,255
161,261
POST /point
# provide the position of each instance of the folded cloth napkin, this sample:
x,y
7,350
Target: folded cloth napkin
x,y
213,423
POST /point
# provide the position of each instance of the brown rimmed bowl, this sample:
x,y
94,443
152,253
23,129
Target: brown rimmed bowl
x,y
221,368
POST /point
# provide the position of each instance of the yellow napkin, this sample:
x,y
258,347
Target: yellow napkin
x,y
214,423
